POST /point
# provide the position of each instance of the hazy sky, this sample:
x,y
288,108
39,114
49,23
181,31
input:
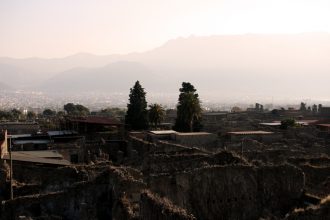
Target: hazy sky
x,y
57,28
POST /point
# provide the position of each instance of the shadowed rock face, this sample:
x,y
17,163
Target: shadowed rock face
x,y
153,207
321,211
233,192
99,198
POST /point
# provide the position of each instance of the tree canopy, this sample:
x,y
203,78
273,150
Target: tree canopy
x,y
137,115
76,110
156,114
188,109
287,123
48,113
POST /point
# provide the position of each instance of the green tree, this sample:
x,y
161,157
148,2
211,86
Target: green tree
x,y
48,113
16,114
69,108
114,112
137,115
31,115
188,109
303,106
76,110
285,124
5,115
82,110
156,114
314,109
60,114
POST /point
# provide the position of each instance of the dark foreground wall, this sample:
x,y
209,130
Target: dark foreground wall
x,y
153,207
96,199
233,191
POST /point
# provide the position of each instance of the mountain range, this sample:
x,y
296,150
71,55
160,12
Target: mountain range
x,y
220,67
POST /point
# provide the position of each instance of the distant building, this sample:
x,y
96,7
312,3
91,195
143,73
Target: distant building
x,y
324,111
96,126
189,139
324,127
258,108
213,117
20,127
261,136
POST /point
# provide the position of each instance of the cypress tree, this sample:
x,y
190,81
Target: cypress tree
x,y
137,115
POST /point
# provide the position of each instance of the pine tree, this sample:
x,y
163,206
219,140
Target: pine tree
x,y
188,109
137,115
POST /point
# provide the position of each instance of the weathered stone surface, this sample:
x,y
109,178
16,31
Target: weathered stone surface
x,y
320,212
153,207
233,191
96,199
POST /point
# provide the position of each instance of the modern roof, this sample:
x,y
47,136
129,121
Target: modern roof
x,y
58,133
163,132
18,135
96,120
39,141
250,132
271,124
40,153
37,157
192,133
302,122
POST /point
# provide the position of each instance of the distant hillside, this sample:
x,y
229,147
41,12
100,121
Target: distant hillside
x,y
219,66
115,77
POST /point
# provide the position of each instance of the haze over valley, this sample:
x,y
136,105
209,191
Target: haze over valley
x,y
224,69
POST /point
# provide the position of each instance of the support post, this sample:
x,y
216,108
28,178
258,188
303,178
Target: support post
x,y
11,171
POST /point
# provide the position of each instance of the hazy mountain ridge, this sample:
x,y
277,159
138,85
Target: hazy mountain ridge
x,y
220,66
104,79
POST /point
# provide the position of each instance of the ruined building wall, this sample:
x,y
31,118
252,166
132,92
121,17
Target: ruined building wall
x,y
153,207
319,212
96,199
170,163
232,192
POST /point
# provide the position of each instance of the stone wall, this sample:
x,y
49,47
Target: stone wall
x,y
196,139
96,199
317,179
319,212
233,191
153,207
170,163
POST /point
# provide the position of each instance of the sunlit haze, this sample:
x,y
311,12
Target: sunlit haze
x,y
58,28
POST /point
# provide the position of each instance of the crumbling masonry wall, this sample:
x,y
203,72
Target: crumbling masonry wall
x,y
153,207
96,199
232,192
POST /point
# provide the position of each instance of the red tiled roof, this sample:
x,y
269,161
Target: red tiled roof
x,y
96,120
